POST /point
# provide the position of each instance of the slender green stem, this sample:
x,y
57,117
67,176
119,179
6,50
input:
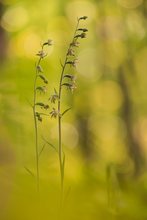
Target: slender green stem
x,y
36,149
60,132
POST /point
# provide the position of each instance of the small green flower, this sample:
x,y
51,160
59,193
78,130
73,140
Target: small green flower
x,y
83,29
38,116
83,18
74,44
73,63
42,105
41,54
70,86
41,89
71,52
54,97
49,42
70,76
83,35
46,107
54,113
39,68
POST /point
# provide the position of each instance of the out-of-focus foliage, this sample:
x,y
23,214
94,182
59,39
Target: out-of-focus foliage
x,y
104,134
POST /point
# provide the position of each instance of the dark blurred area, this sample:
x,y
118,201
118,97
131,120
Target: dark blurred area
x,y
3,37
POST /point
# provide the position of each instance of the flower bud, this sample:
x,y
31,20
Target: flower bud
x,y
83,18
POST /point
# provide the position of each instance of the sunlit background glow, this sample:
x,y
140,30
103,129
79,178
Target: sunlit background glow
x,y
105,131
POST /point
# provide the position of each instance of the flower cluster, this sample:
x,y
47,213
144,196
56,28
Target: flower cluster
x,y
39,75
68,80
79,33
38,116
42,105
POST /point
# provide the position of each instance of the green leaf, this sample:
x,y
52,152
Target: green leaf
x,y
51,145
63,165
66,111
29,171
55,91
42,150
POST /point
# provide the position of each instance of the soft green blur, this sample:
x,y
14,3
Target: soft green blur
x,y
105,132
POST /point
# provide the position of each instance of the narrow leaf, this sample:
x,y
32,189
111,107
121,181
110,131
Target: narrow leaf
x,y
42,150
29,171
66,111
55,91
51,145
63,165
29,103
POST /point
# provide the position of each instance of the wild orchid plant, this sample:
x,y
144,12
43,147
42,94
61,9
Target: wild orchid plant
x,y
66,80
36,105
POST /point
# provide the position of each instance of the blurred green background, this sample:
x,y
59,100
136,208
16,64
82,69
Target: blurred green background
x,y
105,133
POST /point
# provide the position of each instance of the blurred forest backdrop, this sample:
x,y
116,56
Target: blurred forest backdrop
x,y
105,133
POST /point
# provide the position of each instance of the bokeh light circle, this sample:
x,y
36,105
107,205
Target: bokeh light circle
x,y
14,18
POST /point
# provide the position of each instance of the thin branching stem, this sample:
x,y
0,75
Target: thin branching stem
x,y
36,125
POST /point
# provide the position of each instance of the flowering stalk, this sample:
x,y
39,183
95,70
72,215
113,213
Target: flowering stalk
x,y
38,116
71,60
